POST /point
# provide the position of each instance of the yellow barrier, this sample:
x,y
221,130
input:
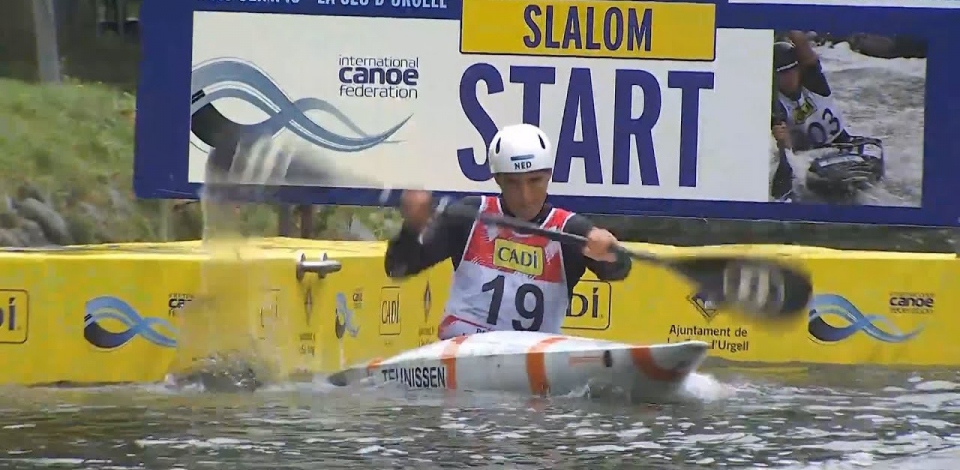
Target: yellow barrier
x,y
868,308
135,312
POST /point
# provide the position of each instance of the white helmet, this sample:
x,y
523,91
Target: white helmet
x,y
520,148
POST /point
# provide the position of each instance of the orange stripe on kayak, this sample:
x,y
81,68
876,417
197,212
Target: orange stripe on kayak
x,y
373,364
448,358
643,360
537,365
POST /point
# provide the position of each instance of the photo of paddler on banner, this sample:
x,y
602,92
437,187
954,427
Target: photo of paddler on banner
x,y
847,119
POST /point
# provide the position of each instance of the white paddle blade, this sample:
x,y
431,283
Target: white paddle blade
x,y
754,287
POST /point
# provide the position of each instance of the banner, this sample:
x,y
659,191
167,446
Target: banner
x,y
726,110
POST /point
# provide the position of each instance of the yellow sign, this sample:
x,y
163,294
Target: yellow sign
x,y
14,316
521,258
390,311
610,29
589,306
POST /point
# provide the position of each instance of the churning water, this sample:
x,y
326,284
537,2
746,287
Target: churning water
x,y
799,418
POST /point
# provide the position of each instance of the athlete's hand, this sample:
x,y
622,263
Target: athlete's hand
x,y
798,37
416,207
600,244
781,134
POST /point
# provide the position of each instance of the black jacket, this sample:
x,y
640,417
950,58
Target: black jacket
x,y
406,256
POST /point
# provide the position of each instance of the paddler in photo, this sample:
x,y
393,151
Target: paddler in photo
x,y
804,97
806,117
504,280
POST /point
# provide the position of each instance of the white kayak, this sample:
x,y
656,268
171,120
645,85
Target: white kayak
x,y
535,363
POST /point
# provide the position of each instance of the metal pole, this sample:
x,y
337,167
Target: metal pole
x,y
284,220
121,18
48,53
166,211
306,221
955,241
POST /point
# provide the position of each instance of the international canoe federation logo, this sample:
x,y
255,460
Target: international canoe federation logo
x,y
705,306
344,321
876,326
155,330
229,77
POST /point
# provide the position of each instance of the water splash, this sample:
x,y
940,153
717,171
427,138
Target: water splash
x,y
707,388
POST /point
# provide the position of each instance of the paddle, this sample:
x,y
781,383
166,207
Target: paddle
x,y
759,288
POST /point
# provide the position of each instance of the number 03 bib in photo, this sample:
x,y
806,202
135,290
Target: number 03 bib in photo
x,y
814,116
510,281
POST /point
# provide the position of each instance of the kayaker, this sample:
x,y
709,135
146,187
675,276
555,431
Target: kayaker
x,y
804,98
503,280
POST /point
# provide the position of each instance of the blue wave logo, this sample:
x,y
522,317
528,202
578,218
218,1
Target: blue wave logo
x,y
876,326
235,78
343,322
106,307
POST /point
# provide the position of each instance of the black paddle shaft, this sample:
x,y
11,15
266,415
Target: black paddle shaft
x,y
761,288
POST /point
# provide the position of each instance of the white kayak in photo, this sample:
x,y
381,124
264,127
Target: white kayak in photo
x,y
536,363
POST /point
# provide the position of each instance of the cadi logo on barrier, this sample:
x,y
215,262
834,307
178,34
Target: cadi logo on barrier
x,y
590,306
14,316
390,311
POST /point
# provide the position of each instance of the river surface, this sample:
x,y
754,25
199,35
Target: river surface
x,y
790,418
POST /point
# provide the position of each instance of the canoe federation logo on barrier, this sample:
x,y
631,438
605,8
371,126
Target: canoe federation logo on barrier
x,y
344,319
229,77
877,326
110,309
